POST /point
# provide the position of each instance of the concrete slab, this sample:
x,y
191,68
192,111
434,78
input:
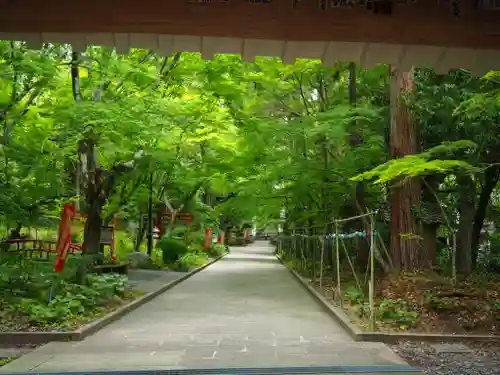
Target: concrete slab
x,y
246,310
451,348
13,352
148,280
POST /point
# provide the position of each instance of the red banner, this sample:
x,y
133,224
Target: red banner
x,y
159,225
208,238
222,238
64,239
245,236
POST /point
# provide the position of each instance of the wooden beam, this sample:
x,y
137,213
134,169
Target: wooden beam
x,y
421,23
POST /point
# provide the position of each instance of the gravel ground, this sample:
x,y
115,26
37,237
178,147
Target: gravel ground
x,y
481,360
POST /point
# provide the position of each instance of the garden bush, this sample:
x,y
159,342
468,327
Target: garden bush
x,y
236,242
25,288
216,250
196,237
196,248
397,314
172,249
73,302
178,232
124,244
190,261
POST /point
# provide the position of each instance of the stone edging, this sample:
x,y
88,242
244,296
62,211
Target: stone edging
x,y
39,338
358,335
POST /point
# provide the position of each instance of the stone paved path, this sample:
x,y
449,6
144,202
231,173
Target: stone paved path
x,y
243,311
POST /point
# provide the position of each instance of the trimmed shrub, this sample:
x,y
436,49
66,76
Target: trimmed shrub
x,y
172,249
190,261
216,250
236,242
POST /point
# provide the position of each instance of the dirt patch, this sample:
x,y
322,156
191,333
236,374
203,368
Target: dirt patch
x,y
425,303
470,307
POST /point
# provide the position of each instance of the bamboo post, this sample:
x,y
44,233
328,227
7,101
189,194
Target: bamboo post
x,y
350,264
312,249
304,252
296,248
372,277
337,255
321,263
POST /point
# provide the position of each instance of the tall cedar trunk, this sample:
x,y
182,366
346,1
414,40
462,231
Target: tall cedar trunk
x,y
467,193
359,194
491,176
404,140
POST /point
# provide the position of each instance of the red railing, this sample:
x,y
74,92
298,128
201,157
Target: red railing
x,y
30,246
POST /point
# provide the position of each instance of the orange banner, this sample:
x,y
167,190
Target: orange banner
x,y
159,225
207,243
64,239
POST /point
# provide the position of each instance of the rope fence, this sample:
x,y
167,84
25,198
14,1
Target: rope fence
x,y
323,256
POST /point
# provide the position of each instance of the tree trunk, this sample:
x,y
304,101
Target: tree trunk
x,y
429,245
491,176
94,199
432,219
467,193
141,232
404,196
92,231
93,227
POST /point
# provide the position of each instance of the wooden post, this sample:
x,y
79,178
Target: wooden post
x,y
322,241
150,215
312,246
337,255
372,276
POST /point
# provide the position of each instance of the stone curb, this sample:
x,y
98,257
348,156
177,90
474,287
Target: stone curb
x,y
358,335
39,338
333,311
